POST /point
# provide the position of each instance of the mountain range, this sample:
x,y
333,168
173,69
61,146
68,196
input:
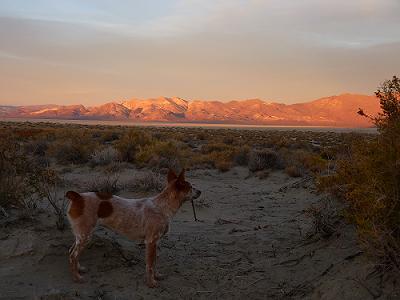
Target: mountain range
x,y
334,111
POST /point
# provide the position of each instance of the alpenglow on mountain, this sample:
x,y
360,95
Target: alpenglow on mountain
x,y
335,111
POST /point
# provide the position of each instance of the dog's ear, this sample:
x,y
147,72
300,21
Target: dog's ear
x,y
181,177
171,175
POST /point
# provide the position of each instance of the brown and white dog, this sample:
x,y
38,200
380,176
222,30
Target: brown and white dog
x,y
144,219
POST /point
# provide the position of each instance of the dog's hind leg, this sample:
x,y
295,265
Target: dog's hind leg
x,y
79,245
151,255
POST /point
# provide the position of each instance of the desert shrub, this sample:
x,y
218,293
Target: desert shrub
x,y
72,146
147,181
104,156
367,178
294,171
263,159
223,165
37,147
16,170
49,185
214,147
106,183
216,155
160,154
70,152
109,136
131,142
325,216
241,156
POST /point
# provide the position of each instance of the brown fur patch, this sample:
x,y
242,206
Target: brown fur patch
x,y
105,209
77,204
104,195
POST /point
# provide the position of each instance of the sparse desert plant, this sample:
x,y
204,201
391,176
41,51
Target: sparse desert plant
x,y
104,156
16,170
241,156
49,185
106,183
325,217
263,159
147,181
71,151
160,154
294,171
131,142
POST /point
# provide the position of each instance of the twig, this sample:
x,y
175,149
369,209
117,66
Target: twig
x,y
4,212
352,256
194,212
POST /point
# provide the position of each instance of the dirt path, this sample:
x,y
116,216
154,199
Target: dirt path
x,y
251,244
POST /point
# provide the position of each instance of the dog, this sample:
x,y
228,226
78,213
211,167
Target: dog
x,y
144,219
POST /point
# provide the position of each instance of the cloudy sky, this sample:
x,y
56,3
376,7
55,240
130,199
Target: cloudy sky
x,y
94,51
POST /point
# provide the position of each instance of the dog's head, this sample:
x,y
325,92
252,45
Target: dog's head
x,y
182,187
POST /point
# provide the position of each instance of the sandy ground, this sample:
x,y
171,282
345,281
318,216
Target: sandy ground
x,y
254,242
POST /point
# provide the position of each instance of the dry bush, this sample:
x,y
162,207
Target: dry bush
x,y
49,185
300,162
131,142
107,183
215,155
294,171
104,157
263,159
241,156
147,181
367,178
160,155
325,217
72,146
16,171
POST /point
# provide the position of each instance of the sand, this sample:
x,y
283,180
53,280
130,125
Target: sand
x,y
254,241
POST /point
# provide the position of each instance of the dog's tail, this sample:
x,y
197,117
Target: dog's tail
x,y
77,204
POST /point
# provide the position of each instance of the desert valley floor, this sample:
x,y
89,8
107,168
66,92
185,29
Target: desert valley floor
x,y
255,240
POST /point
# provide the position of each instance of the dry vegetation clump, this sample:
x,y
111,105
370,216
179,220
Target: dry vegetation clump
x,y
325,217
367,178
131,143
300,162
147,181
16,171
241,155
72,146
104,157
106,183
264,159
49,185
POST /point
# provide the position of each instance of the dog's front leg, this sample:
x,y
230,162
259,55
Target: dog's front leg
x,y
151,254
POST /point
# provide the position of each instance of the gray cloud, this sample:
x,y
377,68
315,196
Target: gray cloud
x,y
275,50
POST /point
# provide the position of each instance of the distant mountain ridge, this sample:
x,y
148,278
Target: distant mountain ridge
x,y
335,111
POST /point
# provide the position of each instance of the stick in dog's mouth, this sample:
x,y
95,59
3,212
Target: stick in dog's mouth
x,y
194,211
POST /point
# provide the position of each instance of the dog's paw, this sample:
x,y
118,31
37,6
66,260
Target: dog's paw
x,y
78,278
83,269
151,283
159,276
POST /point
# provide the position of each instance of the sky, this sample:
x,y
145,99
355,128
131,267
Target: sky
x,y
96,51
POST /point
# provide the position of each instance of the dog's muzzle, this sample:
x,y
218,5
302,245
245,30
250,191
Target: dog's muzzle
x,y
195,193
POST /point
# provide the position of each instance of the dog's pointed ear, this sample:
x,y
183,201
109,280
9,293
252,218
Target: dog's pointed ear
x,y
171,175
181,177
